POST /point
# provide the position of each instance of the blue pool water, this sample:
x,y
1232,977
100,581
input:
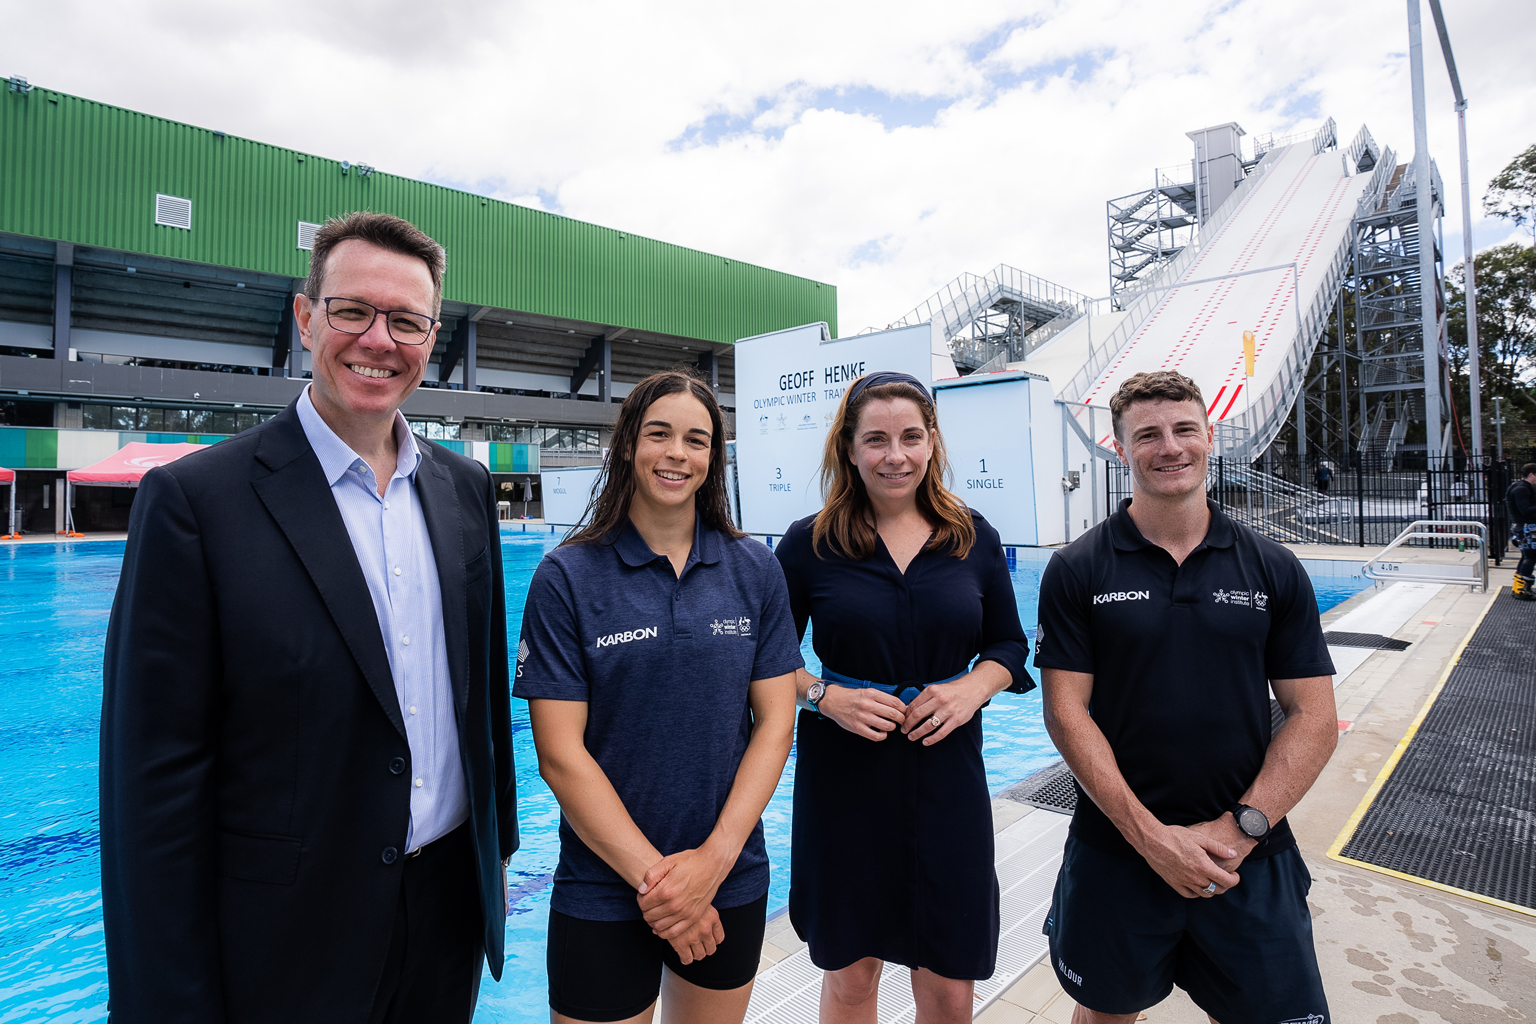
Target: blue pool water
x,y
54,602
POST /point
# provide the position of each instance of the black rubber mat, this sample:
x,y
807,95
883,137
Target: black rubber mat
x,y
1374,641
1051,787
1460,806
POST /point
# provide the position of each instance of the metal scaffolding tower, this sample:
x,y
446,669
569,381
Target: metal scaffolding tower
x,y
1366,384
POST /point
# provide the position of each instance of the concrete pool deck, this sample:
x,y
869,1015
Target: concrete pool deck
x,y
1390,951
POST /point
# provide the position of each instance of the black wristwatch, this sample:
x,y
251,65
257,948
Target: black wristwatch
x,y
814,693
1253,822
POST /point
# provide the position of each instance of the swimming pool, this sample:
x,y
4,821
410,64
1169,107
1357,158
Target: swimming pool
x,y
54,603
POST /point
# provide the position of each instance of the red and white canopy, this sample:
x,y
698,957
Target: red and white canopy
x,y
128,465
7,476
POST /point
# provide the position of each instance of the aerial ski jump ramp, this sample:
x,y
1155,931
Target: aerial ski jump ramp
x,y
1270,261
1270,258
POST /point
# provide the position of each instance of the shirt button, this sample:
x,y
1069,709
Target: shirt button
x,y
386,504
397,570
413,709
390,855
418,783
406,640
397,766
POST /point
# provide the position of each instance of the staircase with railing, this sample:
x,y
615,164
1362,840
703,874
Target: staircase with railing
x,y
1026,300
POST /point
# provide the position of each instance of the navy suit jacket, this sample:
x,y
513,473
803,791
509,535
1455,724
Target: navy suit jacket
x,y
252,822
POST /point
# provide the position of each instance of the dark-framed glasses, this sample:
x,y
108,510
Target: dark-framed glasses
x,y
354,316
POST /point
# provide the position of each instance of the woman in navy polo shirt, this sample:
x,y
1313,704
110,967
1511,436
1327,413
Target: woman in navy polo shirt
x,y
658,657
892,857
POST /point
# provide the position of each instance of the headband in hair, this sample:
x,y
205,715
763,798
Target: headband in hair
x,y
880,377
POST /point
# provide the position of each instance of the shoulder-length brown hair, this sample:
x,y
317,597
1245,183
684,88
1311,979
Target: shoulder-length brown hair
x,y
616,484
847,521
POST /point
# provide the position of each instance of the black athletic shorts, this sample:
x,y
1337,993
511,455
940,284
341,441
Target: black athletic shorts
x,y
611,970
1121,938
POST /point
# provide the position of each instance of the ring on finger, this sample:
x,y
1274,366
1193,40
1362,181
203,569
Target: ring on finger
x,y
936,721
1210,890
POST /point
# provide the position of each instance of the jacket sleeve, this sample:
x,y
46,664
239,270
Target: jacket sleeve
x,y
500,687
160,709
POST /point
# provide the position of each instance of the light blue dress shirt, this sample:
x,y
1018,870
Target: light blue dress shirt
x,y
389,535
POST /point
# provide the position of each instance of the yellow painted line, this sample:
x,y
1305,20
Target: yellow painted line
x,y
1386,773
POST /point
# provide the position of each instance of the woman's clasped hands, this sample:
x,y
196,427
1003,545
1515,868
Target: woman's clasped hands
x,y
675,900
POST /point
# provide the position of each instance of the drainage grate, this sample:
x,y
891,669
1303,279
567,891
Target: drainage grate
x,y
1373,641
1458,807
1052,787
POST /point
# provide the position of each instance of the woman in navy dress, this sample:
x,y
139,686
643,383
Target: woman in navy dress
x,y
892,856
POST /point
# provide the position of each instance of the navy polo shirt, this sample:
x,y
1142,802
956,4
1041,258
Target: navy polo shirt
x,y
663,663
1181,658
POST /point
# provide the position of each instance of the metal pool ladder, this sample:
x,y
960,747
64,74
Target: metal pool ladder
x,y
1380,567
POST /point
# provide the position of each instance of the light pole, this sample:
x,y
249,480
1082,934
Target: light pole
x,y
1498,424
1423,188
1474,374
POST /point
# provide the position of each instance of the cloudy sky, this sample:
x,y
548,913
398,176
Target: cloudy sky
x,y
883,147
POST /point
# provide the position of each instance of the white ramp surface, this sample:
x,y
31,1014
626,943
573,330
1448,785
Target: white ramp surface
x,y
1028,857
1297,218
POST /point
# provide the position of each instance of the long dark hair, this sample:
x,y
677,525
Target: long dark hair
x,y
847,521
615,488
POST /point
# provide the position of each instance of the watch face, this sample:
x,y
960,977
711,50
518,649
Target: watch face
x,y
814,691
1253,822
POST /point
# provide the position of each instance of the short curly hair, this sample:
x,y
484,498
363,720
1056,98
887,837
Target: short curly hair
x,y
1159,385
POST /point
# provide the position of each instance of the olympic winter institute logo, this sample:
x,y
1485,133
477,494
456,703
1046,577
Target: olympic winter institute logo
x,y
732,627
1255,599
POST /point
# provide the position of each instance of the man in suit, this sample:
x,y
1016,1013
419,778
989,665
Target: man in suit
x,y
307,790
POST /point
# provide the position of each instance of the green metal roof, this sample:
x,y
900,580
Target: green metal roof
x,y
79,171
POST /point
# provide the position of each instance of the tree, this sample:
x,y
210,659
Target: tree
x,y
1506,334
1512,193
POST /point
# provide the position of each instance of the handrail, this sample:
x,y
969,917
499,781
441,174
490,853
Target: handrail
x,y
1395,571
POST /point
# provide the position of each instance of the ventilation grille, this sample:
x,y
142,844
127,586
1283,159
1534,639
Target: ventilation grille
x,y
307,234
173,211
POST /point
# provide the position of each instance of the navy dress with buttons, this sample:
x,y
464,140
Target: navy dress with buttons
x,y
891,855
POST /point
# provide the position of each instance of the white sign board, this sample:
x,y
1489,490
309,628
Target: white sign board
x,y
566,493
788,385
986,422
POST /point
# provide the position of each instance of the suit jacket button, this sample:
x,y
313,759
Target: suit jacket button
x,y
396,765
390,855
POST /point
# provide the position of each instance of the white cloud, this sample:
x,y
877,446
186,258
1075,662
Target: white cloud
x,y
881,147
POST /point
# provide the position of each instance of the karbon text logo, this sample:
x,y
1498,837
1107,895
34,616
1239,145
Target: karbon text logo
x,y
628,636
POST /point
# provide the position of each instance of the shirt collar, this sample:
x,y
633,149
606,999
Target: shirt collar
x,y
1126,536
636,552
336,456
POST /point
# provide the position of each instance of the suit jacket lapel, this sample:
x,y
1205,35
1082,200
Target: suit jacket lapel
x,y
299,499
445,526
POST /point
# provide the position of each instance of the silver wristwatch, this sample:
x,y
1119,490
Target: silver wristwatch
x,y
813,695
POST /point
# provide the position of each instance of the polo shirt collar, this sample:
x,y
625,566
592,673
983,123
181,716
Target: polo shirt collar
x,y
1123,531
635,552
336,456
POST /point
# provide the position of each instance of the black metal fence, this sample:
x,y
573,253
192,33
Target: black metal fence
x,y
1365,503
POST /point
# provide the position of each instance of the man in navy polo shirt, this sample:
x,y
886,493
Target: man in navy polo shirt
x,y
1162,632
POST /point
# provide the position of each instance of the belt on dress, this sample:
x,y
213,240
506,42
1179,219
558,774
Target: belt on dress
x,y
899,691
